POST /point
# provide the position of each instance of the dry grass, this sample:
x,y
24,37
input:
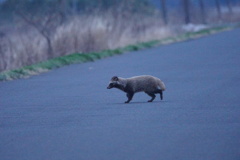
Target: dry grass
x,y
24,45
82,34
226,16
21,48
99,32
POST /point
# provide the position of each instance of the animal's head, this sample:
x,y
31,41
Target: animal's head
x,y
114,82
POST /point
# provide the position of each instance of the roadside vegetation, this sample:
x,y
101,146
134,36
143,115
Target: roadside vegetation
x,y
40,35
26,71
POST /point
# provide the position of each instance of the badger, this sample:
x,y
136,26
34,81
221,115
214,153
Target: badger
x,y
145,83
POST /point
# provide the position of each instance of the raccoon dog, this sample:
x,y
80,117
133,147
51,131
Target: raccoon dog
x,y
148,84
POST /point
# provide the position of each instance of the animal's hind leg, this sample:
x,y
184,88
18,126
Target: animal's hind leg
x,y
151,95
160,92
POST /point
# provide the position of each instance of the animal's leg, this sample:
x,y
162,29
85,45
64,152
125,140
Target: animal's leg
x,y
151,95
160,92
130,96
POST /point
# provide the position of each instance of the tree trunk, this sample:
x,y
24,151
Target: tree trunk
x,y
186,11
49,49
202,8
164,11
229,4
74,6
219,12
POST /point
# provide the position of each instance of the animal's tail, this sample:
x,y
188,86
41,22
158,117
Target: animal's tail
x,y
162,85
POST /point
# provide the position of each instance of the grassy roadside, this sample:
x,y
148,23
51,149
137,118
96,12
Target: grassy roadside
x,y
58,62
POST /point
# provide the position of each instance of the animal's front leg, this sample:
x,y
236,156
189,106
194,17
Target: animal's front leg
x,y
130,96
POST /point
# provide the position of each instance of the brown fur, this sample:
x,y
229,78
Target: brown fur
x,y
148,84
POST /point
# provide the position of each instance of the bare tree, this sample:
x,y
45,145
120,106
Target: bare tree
x,y
164,11
219,12
202,9
186,11
3,57
229,5
74,6
45,23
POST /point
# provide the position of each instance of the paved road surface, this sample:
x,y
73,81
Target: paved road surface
x,y
68,114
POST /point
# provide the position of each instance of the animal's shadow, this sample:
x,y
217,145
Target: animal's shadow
x,y
138,102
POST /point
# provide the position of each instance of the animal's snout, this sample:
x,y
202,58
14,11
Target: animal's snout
x,y
110,86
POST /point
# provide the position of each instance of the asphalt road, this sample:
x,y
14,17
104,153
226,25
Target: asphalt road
x,y
68,114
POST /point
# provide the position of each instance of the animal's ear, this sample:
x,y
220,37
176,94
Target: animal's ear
x,y
114,78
